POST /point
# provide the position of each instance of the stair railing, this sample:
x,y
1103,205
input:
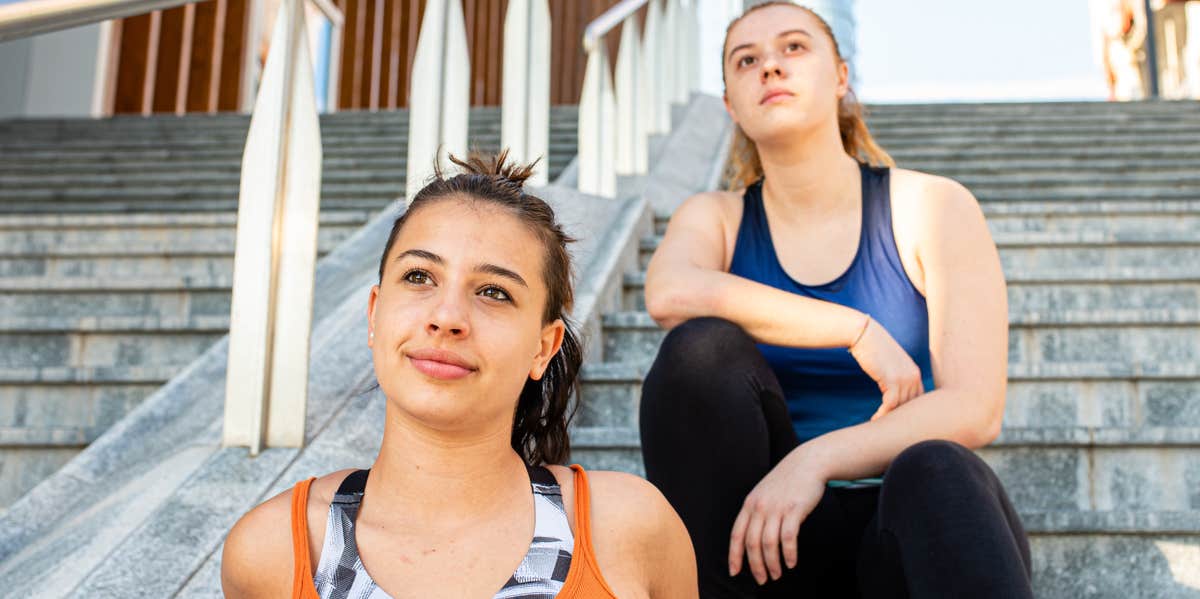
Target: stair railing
x,y
651,73
278,201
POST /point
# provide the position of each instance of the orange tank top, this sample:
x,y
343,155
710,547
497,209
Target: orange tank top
x,y
583,578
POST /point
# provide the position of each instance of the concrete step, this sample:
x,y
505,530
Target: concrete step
x,y
611,394
173,306
986,129
1083,262
117,205
142,241
1136,154
32,407
1096,349
1064,471
1018,164
1032,215
1063,303
139,348
334,147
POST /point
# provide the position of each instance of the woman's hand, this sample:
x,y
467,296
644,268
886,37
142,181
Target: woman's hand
x,y
771,516
882,358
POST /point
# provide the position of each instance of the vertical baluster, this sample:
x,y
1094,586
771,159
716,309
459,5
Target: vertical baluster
x,y
630,125
597,139
525,110
276,241
439,106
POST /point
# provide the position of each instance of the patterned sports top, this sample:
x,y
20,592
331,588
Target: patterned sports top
x,y
558,563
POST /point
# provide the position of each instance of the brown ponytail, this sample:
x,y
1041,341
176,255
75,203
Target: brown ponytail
x,y
743,166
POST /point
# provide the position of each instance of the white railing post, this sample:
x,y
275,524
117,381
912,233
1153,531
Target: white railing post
x,y
276,245
525,98
439,104
657,68
597,138
631,125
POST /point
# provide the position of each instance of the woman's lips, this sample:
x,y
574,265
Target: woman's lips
x,y
775,96
440,370
440,364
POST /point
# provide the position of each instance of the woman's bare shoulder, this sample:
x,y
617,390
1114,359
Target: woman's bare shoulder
x,y
635,529
258,556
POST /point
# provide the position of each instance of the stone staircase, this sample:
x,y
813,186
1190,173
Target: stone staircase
x,y
1096,212
116,256
1094,206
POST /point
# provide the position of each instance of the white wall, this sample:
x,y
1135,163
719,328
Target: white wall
x,y
50,75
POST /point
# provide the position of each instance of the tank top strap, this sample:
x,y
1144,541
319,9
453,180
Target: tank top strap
x,y
301,568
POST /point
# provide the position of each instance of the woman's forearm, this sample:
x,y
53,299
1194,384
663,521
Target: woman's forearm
x,y
767,314
967,417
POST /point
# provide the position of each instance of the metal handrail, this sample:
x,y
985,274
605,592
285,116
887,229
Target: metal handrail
x,y
604,23
33,17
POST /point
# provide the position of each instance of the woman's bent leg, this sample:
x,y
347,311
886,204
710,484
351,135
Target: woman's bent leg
x,y
944,528
713,423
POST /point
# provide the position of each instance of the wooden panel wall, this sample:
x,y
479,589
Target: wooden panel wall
x,y
375,72
189,59
186,59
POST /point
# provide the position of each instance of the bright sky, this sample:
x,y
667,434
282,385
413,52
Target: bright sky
x,y
950,50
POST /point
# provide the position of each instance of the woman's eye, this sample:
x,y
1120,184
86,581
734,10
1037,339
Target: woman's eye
x,y
794,46
417,277
742,61
495,293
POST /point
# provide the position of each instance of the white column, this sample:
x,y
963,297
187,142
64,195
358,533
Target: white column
x,y
597,137
631,126
525,109
266,384
657,68
439,105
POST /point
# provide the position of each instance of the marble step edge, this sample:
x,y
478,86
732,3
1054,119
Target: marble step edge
x,y
613,437
1066,277
631,371
152,323
140,324
1067,239
159,220
640,320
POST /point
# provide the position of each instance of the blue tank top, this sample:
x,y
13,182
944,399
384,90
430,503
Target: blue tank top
x,y
825,388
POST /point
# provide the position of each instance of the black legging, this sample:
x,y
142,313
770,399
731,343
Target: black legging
x,y
714,422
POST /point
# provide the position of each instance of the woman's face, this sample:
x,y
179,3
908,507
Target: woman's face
x,y
782,73
457,317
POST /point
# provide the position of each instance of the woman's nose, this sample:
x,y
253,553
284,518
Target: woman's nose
x,y
449,316
770,67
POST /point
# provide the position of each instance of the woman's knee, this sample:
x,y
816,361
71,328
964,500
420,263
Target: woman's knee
x,y
700,358
936,461
937,474
704,343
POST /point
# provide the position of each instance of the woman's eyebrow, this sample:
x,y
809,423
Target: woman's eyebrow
x,y
500,271
788,32
425,254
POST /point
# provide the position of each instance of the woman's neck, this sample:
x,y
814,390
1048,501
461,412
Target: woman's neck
x,y
444,479
809,175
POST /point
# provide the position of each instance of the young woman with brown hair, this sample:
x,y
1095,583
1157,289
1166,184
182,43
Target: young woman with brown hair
x,y
762,430
472,349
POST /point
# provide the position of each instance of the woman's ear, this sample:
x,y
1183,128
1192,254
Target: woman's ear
x,y
843,83
371,303
729,108
552,339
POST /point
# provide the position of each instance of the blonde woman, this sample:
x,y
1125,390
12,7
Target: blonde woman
x,y
838,345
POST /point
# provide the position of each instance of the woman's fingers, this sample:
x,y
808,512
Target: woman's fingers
x,y
789,530
770,545
737,541
891,398
754,552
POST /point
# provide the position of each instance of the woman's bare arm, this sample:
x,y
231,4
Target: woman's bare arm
x,y
686,280
967,301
